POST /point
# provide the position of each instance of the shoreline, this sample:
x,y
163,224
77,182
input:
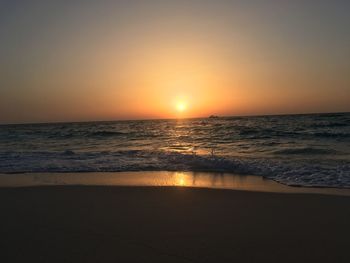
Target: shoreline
x,y
205,180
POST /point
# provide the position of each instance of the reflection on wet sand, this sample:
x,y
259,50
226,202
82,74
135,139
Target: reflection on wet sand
x,y
161,178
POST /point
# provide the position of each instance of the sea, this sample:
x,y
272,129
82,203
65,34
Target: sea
x,y
310,150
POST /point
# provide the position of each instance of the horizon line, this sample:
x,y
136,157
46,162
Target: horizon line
x,y
187,118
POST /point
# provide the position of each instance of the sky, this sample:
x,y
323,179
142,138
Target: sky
x,y
138,59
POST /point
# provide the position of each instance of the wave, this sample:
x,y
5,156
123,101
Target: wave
x,y
263,133
105,133
306,151
330,125
331,134
268,133
322,173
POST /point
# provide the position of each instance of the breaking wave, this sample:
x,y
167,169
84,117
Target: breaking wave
x,y
302,173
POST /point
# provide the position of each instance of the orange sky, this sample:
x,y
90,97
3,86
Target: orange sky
x,y
116,60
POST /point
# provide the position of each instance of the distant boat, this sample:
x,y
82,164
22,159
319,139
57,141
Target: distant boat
x,y
213,117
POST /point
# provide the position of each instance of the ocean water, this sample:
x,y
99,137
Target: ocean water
x,y
303,150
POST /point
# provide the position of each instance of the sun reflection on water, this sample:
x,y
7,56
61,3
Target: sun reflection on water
x,y
180,179
162,178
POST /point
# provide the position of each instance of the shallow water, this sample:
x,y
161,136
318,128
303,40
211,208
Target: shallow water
x,y
307,150
162,179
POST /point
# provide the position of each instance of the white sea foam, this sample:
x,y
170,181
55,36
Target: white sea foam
x,y
303,173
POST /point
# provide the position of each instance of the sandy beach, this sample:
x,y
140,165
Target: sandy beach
x,y
170,224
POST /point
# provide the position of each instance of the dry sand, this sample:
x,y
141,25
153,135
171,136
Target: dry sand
x,y
170,224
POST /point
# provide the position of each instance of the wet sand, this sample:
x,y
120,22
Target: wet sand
x,y
170,224
162,178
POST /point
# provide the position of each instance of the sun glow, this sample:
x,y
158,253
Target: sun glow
x,y
181,106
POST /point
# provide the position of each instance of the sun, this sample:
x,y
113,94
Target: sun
x,y
181,106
